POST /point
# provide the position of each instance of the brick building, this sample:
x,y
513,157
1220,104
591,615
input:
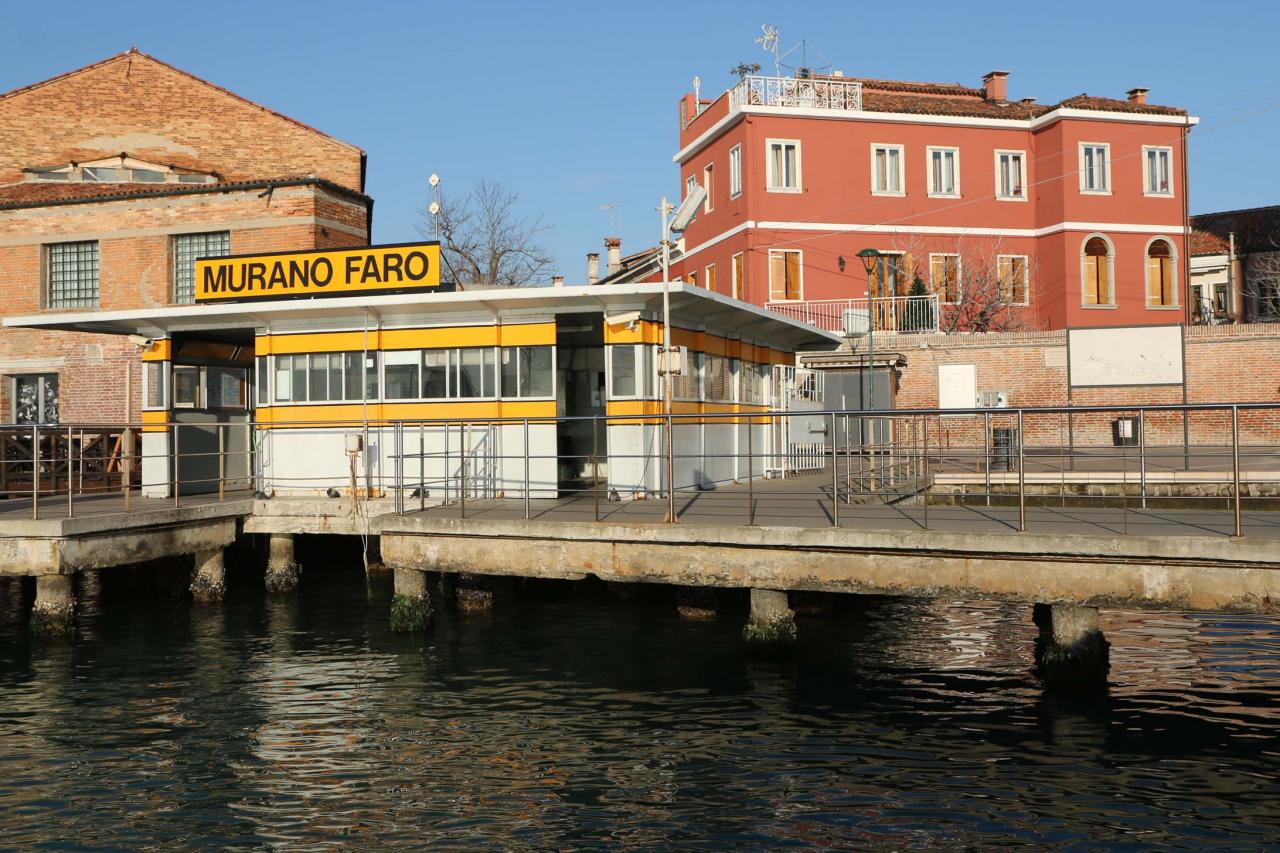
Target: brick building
x,y
1063,215
114,178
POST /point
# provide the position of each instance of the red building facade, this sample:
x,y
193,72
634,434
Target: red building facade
x,y
1017,215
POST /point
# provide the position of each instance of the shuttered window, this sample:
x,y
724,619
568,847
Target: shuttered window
x,y
1096,282
1160,274
944,273
784,275
1011,273
737,276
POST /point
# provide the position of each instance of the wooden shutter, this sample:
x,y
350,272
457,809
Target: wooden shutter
x,y
777,276
737,277
793,275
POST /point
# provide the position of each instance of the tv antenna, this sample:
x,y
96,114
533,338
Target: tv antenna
x,y
769,42
615,216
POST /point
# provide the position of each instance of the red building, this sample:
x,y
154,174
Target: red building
x,y
1017,215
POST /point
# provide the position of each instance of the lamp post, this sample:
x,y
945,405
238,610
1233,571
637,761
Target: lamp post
x,y
869,259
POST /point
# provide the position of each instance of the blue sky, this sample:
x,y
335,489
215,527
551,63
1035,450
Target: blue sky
x,y
574,104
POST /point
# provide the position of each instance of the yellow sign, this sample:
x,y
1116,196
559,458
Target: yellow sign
x,y
328,272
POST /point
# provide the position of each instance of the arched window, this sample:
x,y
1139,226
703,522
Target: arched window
x,y
1160,289
1096,280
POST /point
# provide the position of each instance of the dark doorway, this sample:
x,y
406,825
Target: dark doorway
x,y
580,395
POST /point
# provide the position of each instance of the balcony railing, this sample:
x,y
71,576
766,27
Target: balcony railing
x,y
890,314
825,94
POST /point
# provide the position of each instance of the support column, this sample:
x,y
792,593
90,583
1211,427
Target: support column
x,y
282,571
411,606
696,602
209,582
1070,650
771,621
474,594
55,609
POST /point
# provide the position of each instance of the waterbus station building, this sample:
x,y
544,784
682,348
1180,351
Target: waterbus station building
x,y
483,387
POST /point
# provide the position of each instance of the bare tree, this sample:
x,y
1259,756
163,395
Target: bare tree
x,y
982,286
484,241
1261,281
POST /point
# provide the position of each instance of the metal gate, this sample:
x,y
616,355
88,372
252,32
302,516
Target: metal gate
x,y
796,449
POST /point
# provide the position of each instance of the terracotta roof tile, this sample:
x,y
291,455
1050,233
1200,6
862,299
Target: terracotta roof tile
x,y
874,101
1114,105
1257,229
1206,243
42,193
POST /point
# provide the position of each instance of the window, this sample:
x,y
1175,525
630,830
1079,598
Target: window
x,y
323,377
35,398
944,172
753,383
1011,278
1161,292
1096,279
710,277
690,183
225,388
186,388
401,372
707,172
262,379
1095,167
631,371
1157,174
886,170
784,165
155,385
888,278
475,372
738,271
688,385
527,372
784,275
188,247
73,274
692,278
1011,175
735,171
717,378
944,275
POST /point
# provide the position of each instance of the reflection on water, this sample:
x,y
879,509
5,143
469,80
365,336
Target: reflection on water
x,y
571,718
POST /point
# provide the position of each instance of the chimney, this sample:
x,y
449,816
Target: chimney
x,y
613,249
1137,96
557,281
994,86
593,267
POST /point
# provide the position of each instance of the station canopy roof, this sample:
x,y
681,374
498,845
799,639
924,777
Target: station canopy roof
x,y
691,307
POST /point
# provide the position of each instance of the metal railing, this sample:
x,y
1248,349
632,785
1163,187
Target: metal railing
x,y
1119,469
901,314
825,93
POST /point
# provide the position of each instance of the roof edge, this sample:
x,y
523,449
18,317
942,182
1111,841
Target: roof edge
x,y
195,189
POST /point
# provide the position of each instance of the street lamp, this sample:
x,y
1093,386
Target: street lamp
x,y
869,259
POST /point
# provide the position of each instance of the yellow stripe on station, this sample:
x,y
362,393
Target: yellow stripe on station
x,y
350,414
439,337
155,421
161,350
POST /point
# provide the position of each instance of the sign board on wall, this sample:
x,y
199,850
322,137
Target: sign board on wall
x,y
329,272
1138,355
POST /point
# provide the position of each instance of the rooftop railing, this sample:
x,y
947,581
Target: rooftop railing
x,y
902,314
824,94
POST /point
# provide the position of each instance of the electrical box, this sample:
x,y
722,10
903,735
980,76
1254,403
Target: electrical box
x,y
674,362
856,322
355,442
993,400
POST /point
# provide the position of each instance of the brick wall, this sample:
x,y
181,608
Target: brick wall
x,y
1224,364
136,271
135,104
